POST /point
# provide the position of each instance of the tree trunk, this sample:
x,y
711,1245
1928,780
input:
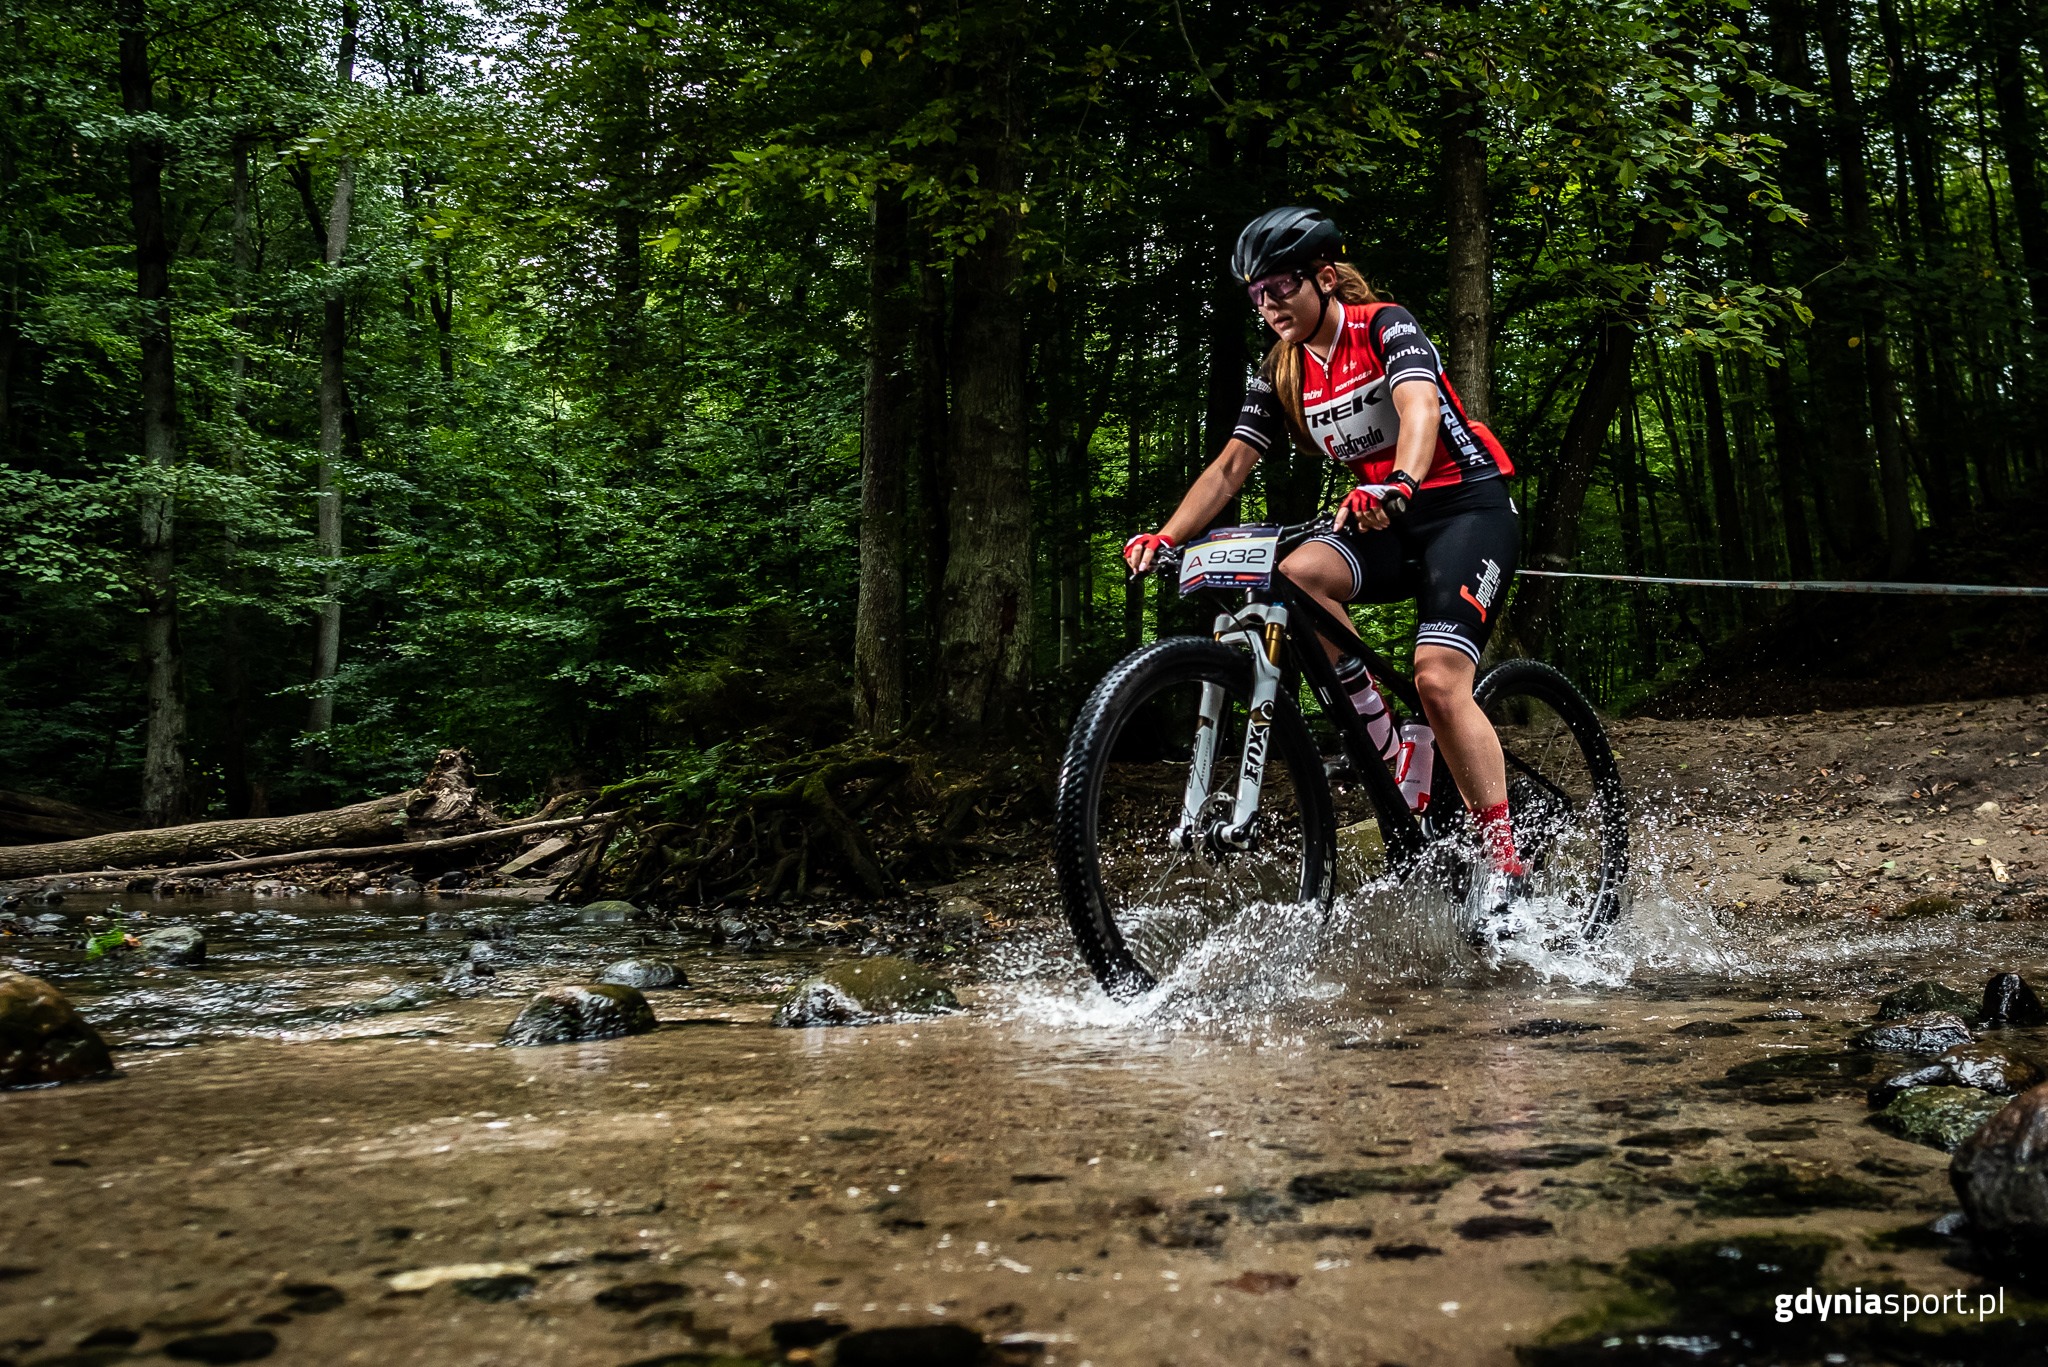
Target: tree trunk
x,y
1630,468
28,816
333,416
934,442
2012,24
1469,258
1852,154
163,747
1730,532
985,621
1555,540
886,420
366,823
233,645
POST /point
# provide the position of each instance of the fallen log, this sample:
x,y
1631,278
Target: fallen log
x,y
445,802
29,816
360,824
338,855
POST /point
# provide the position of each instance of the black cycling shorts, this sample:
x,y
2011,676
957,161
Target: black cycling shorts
x,y
1453,552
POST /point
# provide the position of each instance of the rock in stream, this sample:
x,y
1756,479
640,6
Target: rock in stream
x,y
2000,1174
646,974
1939,1117
173,946
566,1015
42,1040
867,992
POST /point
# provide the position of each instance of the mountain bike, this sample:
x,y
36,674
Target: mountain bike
x,y
1192,792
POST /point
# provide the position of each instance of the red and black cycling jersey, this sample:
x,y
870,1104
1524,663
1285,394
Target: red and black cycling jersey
x,y
1349,402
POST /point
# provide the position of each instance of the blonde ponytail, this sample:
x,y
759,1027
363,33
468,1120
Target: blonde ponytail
x,y
1282,368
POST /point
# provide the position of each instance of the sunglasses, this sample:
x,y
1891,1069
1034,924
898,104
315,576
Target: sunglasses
x,y
1276,289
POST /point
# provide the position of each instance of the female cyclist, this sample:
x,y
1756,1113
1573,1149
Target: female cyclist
x,y
1353,376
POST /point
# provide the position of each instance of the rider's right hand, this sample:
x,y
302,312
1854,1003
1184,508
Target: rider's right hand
x,y
1141,550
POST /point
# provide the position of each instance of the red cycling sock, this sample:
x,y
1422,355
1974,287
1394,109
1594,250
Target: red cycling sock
x,y
1498,833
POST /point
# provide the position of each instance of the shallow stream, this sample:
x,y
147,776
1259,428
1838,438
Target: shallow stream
x,y
1348,1143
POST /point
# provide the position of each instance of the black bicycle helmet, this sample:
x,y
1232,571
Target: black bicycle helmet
x,y
1285,239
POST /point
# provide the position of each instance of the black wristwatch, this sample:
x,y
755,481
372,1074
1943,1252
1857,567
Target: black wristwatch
x,y
1401,491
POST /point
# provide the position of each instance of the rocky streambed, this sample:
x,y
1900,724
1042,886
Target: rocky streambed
x,y
452,1130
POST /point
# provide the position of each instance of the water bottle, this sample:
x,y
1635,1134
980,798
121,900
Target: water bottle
x,y
1379,723
1416,764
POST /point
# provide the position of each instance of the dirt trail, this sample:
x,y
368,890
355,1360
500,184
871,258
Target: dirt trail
x,y
1854,814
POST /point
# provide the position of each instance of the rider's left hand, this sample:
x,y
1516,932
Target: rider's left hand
x,y
1375,511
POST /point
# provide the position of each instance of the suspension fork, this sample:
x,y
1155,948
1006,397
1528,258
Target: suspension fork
x,y
1261,627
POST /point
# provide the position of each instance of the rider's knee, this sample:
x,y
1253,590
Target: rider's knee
x,y
1441,680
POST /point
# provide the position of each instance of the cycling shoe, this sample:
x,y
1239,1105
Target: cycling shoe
x,y
1494,897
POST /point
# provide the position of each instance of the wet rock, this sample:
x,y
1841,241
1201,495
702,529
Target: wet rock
x,y
1806,874
240,1345
607,913
735,933
1673,1300
1780,1013
312,1298
961,918
1771,1080
405,997
2000,1174
1544,1028
1314,1188
1537,1156
866,992
1405,1253
42,1040
1482,1228
173,946
1925,1075
1254,1283
646,974
1684,1137
397,885
1202,1225
1890,1167
1932,904
1309,1234
1932,1032
113,1336
1642,1158
497,953
639,1295
911,1345
510,1286
1770,1189
2008,1000
1918,998
451,882
806,1333
562,1015
1939,1117
475,927
1706,1030
1782,1134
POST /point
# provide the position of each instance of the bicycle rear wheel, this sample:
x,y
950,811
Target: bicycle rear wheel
x,y
1565,792
1138,906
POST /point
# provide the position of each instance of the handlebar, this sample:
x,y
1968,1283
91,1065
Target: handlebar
x,y
1167,562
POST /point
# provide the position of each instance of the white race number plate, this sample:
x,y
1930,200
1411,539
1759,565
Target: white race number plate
x,y
1230,558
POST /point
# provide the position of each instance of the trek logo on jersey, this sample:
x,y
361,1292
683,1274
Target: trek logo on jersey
x,y
1489,585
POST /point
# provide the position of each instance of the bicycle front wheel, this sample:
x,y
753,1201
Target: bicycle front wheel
x,y
1565,795
1139,906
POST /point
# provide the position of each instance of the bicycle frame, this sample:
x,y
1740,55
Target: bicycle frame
x,y
1263,626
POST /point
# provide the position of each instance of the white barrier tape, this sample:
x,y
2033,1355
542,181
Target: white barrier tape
x,y
1816,585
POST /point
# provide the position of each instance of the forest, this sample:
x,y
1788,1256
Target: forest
x,y
621,391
